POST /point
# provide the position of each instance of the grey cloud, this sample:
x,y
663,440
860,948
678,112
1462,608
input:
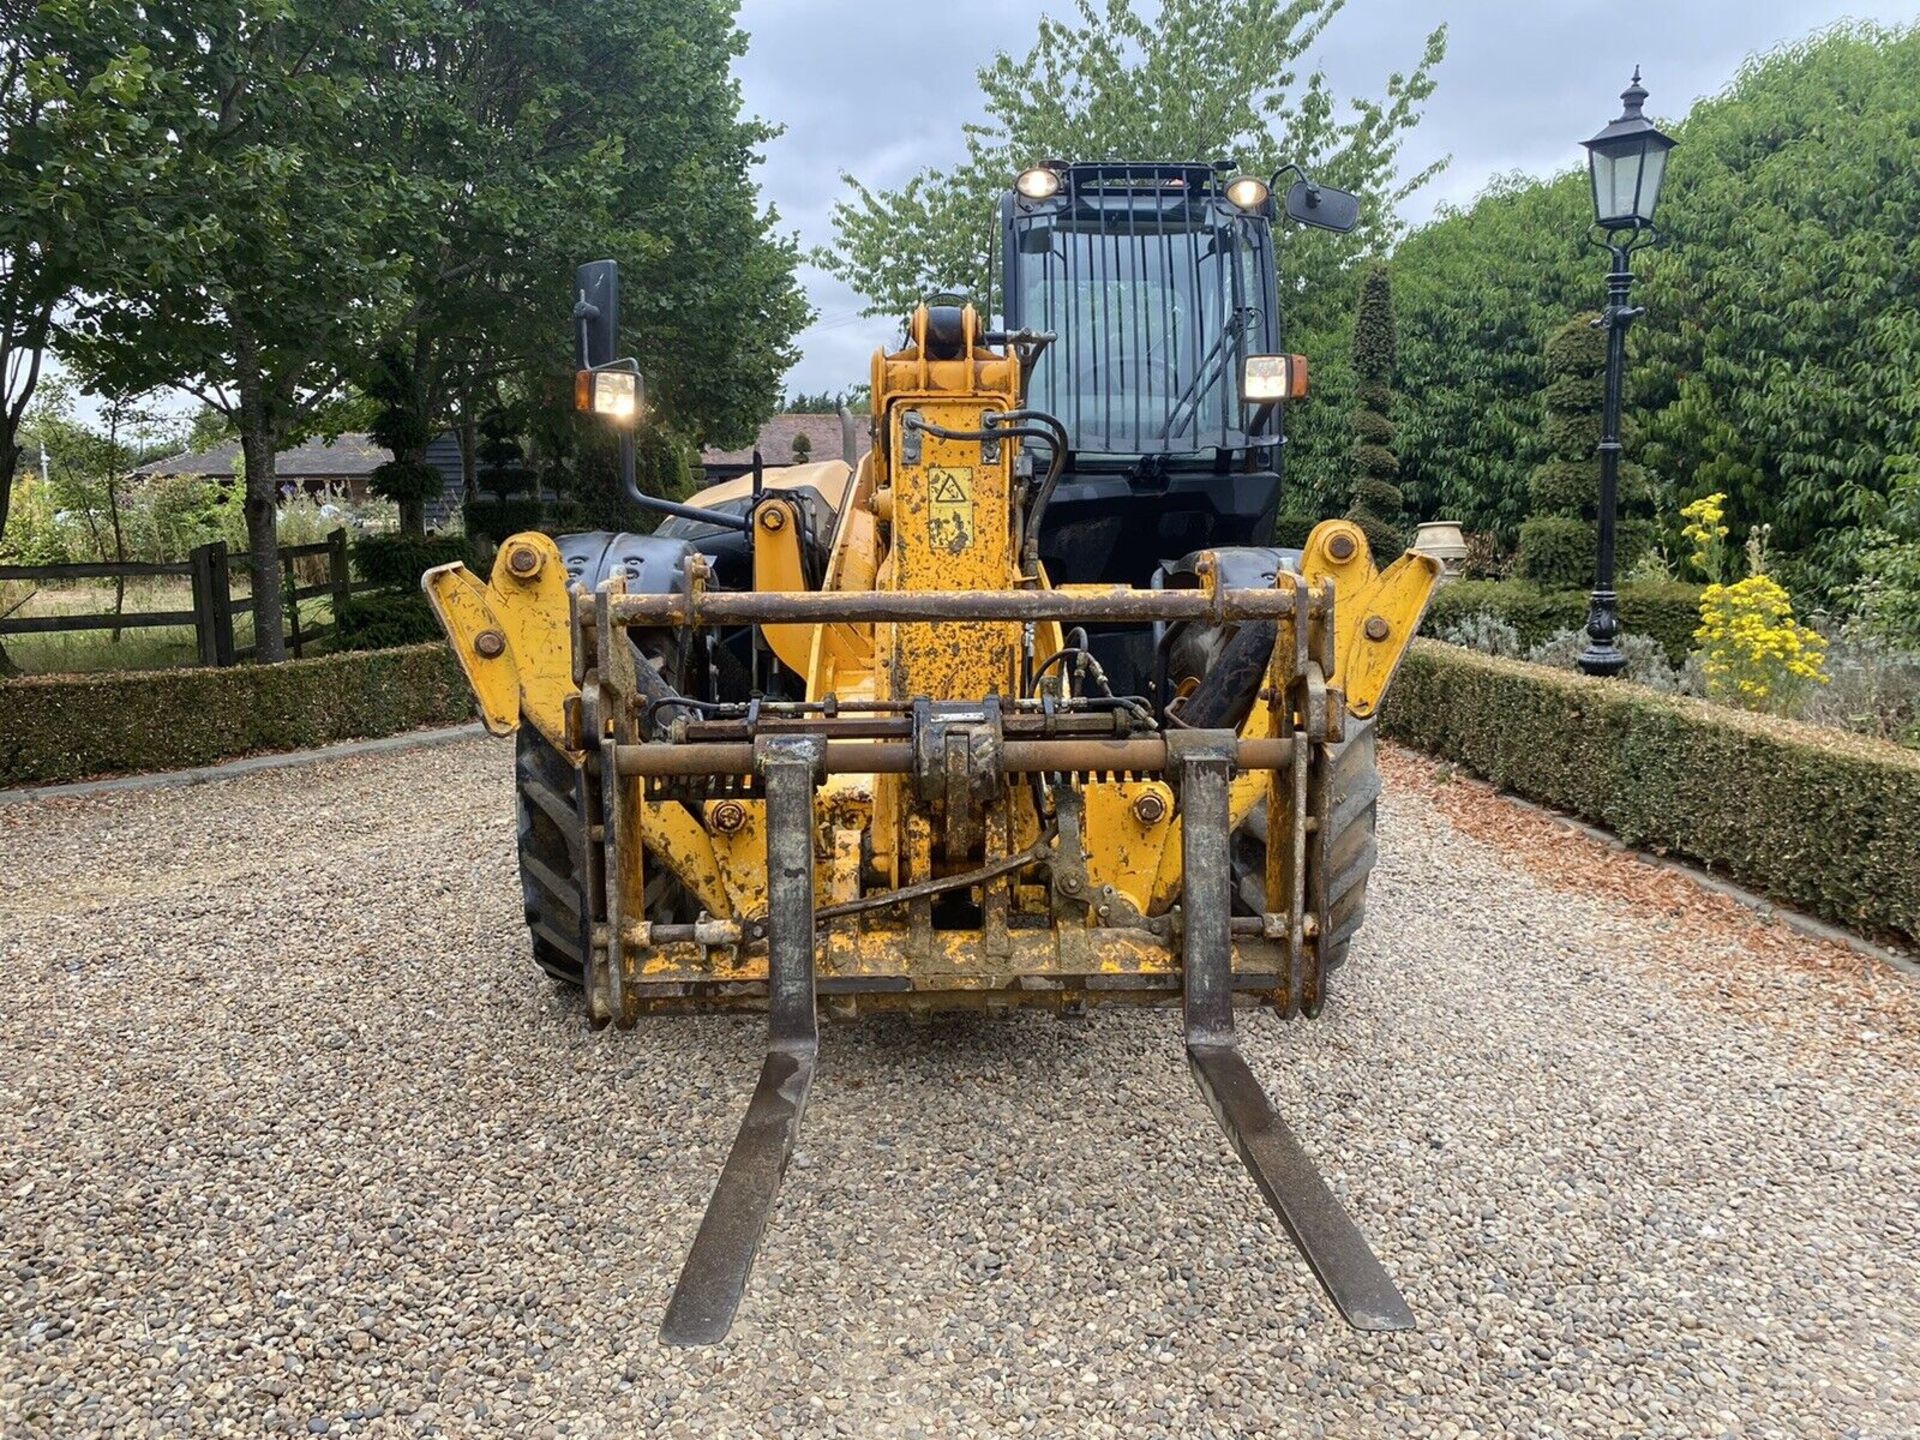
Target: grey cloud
x,y
880,88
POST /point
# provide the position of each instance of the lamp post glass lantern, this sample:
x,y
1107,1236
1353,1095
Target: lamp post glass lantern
x,y
1628,163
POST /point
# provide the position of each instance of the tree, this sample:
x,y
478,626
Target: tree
x,y
1779,358
1377,506
546,138
802,447
1193,80
1558,543
274,218
88,470
72,82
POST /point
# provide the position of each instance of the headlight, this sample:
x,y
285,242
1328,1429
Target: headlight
x,y
611,394
1038,182
1249,192
1265,379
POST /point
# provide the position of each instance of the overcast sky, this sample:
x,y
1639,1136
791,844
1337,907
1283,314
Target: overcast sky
x,y
880,89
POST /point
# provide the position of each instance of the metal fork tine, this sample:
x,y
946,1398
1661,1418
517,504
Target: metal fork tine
x,y
714,1277
1324,1234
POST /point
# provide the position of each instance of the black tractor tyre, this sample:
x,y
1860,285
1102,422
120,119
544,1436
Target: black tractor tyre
x,y
1351,849
553,855
1196,654
552,842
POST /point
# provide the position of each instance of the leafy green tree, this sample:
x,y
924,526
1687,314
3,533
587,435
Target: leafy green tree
x,y
545,138
1779,359
1193,80
273,227
73,82
1378,507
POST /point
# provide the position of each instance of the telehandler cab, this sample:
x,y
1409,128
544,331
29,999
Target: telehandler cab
x,y
1021,708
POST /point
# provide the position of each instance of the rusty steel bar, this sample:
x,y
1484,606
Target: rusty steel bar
x,y
863,757
826,607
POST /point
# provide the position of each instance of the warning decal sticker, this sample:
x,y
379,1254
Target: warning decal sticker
x,y
950,507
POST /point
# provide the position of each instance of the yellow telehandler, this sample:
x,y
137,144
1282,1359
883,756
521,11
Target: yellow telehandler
x,y
1022,707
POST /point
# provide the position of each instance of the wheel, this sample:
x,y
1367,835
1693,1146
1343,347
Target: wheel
x,y
553,855
554,863
1351,848
1201,653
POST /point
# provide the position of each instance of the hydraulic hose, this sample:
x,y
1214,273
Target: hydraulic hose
x,y
1227,691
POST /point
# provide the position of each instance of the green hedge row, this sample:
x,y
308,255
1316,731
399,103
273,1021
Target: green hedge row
x,y
1667,610
68,727
1819,819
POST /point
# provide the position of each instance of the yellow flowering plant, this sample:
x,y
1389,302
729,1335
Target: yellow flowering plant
x,y
1706,531
1753,652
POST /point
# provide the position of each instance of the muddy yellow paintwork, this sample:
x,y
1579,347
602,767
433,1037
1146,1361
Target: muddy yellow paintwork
x,y
531,676
1376,614
919,513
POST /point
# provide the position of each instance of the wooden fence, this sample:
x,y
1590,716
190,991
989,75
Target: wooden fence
x,y
210,567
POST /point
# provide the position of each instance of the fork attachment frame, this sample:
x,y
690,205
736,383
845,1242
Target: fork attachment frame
x,y
1326,1237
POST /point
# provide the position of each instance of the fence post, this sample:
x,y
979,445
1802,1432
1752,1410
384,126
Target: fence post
x,y
337,573
290,584
200,561
220,602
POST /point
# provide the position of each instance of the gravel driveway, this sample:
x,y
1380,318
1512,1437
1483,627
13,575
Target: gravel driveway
x,y
293,1138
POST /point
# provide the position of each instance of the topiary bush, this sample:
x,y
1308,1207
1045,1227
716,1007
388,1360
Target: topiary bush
x,y
1558,545
1290,532
384,620
495,520
1377,505
401,426
398,561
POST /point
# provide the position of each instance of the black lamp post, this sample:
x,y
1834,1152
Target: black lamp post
x,y
1627,160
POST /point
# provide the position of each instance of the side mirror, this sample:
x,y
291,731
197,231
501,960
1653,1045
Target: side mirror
x,y
1322,206
596,314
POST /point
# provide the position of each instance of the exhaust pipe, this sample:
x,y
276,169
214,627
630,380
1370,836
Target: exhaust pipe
x,y
849,437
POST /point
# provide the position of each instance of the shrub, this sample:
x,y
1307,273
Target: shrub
x,y
495,520
1667,611
1558,552
1647,662
1291,531
385,620
1815,818
34,534
1486,632
67,727
1887,597
398,561
1873,688
1753,651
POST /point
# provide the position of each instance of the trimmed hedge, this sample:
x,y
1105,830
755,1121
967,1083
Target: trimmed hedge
x,y
1666,610
68,727
1819,819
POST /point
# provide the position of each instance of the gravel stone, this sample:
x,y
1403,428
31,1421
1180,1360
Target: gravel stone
x,y
293,1139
